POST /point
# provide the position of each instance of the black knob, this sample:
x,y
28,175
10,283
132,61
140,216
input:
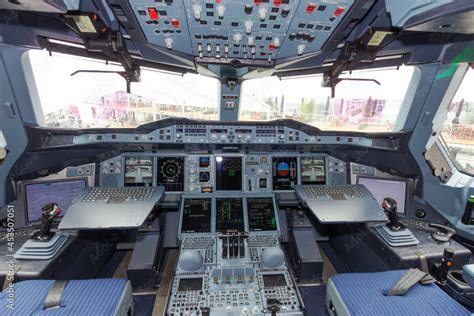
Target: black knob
x,y
390,206
273,306
205,311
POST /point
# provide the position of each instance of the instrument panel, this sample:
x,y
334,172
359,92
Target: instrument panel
x,y
220,172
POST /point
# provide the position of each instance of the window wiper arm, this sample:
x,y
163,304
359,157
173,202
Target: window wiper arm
x,y
123,74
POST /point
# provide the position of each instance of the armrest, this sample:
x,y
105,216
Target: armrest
x,y
468,274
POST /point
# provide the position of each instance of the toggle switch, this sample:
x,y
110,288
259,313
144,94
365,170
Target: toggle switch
x,y
169,42
276,42
301,49
237,38
220,11
209,49
218,51
248,26
226,50
250,41
262,13
197,9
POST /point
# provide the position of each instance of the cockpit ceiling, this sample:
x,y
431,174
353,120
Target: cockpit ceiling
x,y
241,38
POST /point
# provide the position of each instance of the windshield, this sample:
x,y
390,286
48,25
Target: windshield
x,y
361,106
98,100
457,134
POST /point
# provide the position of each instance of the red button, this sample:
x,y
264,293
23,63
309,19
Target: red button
x,y
339,11
277,3
311,7
175,23
153,13
271,46
257,1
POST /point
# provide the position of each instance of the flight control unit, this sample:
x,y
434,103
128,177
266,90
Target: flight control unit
x,y
230,260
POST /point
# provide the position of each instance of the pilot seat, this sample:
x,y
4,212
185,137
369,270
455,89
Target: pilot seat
x,y
368,294
75,297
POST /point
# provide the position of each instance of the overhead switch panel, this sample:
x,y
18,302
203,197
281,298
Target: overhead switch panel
x,y
253,32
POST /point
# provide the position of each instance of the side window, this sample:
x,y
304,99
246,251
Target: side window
x,y
457,134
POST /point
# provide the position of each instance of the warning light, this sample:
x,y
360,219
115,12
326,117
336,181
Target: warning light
x,y
277,3
257,2
175,23
311,7
153,13
339,11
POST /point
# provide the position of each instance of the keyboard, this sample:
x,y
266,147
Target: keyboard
x,y
111,208
339,192
122,194
341,203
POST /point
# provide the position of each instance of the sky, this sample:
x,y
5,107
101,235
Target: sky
x,y
58,89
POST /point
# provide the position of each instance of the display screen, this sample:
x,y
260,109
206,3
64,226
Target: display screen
x,y
285,173
382,188
194,284
204,162
196,216
171,173
261,214
39,194
313,170
271,280
138,172
228,173
230,215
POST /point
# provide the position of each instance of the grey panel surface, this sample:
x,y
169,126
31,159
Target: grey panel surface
x,y
357,210
37,250
401,10
108,215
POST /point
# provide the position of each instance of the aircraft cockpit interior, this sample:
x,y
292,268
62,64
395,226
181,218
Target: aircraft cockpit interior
x,y
236,157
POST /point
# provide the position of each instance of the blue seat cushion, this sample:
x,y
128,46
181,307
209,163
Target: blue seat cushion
x,y
80,297
364,294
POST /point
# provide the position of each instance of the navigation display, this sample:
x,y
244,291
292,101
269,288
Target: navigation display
x,y
285,173
271,280
230,215
194,284
196,216
171,173
313,170
261,214
61,192
228,173
138,172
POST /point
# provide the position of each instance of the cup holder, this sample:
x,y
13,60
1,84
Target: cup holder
x,y
457,276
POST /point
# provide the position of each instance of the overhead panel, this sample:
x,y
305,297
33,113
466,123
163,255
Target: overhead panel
x,y
240,32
